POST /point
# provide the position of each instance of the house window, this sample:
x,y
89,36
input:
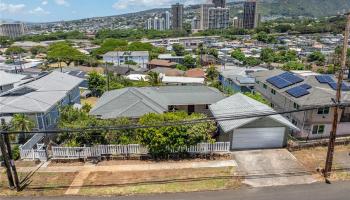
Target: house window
x,y
323,111
273,91
318,129
207,106
265,86
296,106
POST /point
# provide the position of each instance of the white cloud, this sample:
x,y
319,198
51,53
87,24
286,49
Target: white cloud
x,y
12,8
62,2
39,11
44,3
130,4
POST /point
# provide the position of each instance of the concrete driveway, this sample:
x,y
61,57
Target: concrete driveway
x,y
262,168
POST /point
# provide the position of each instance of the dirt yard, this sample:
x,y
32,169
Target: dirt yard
x,y
91,100
39,184
314,158
143,182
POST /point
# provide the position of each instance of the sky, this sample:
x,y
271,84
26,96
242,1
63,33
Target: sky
x,y
57,10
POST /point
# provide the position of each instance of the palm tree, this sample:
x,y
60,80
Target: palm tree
x,y
154,78
21,122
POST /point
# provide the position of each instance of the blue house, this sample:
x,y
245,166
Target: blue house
x,y
238,79
41,98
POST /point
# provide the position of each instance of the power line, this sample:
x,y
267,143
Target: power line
x,y
187,122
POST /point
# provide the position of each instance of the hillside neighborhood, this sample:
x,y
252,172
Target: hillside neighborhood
x,y
185,100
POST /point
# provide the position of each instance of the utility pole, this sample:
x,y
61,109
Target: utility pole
x,y
6,161
332,137
9,151
107,73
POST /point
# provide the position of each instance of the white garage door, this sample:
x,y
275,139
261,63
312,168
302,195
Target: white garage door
x,y
258,138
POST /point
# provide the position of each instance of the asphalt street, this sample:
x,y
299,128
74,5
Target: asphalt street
x,y
319,191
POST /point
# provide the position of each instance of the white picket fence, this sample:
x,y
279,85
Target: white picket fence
x,y
136,149
28,150
33,154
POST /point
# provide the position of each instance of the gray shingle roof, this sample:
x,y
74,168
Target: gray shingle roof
x,y
239,104
135,102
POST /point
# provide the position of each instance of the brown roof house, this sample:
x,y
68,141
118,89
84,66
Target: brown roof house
x,y
195,73
160,63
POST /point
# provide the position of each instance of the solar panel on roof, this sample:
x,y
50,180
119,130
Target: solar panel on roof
x,y
306,86
325,79
298,92
291,78
278,82
344,87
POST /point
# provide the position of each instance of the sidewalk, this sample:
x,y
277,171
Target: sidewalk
x,y
134,167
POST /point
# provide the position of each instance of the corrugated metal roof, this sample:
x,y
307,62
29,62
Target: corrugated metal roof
x,y
9,78
48,91
239,104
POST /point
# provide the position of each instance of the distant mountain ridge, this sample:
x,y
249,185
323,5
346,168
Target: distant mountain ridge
x,y
286,8
308,8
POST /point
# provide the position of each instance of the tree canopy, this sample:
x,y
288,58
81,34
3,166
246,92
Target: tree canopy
x,y
64,52
14,50
162,140
238,55
179,49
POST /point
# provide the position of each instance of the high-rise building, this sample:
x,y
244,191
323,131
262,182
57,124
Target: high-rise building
x,y
196,23
237,22
12,30
167,22
219,18
177,16
219,3
250,17
204,13
155,23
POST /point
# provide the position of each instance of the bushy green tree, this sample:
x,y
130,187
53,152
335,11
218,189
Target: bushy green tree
x,y
64,52
110,45
5,41
97,83
162,140
251,61
267,55
38,49
293,65
154,78
73,118
238,55
316,56
212,73
265,37
179,49
214,52
15,50
189,61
